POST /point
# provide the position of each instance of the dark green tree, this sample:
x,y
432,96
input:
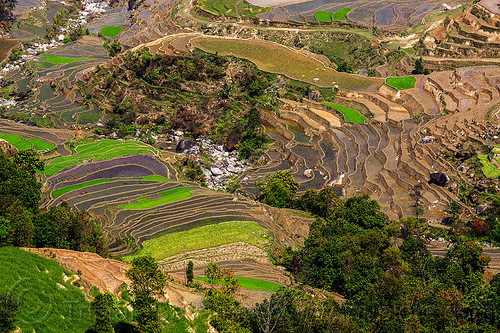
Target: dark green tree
x,y
9,308
101,307
279,189
29,160
419,66
189,273
148,282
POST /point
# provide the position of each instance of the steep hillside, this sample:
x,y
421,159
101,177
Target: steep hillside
x,y
51,301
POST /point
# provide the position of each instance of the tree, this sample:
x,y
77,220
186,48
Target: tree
x,y
29,160
364,212
9,307
213,273
148,282
278,190
453,208
277,314
101,307
419,67
189,272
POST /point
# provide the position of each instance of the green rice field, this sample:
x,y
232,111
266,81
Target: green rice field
x,y
99,150
251,284
111,31
21,143
173,195
340,15
350,115
63,60
202,238
401,83
39,144
323,16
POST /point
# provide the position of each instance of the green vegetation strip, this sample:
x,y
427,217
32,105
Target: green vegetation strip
x,y
401,83
111,31
202,238
323,16
340,15
249,283
70,188
173,195
16,141
489,169
41,145
63,60
48,303
350,115
100,150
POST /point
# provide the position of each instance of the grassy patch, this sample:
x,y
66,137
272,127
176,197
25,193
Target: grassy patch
x,y
95,151
340,15
401,83
48,303
203,237
173,195
39,144
350,115
323,16
489,169
111,31
251,284
275,58
16,141
157,178
63,60
70,188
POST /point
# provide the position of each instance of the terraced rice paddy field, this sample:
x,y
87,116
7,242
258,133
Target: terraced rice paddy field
x,y
95,151
38,137
61,67
151,21
385,157
106,200
388,14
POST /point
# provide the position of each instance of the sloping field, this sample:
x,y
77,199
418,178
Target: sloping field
x,y
150,215
100,150
202,238
49,303
134,166
275,58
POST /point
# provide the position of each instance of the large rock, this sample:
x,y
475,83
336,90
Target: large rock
x,y
439,179
216,171
481,209
309,173
184,145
